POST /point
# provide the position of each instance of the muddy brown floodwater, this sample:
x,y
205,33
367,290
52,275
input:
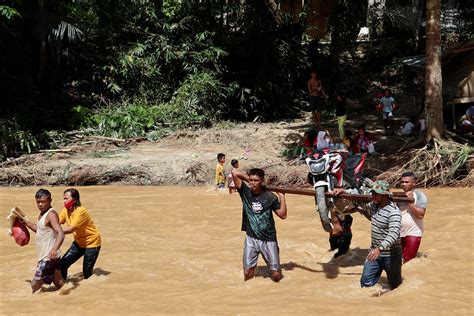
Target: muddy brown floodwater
x,y
178,250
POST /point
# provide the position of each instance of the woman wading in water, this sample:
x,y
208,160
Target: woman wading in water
x,y
87,239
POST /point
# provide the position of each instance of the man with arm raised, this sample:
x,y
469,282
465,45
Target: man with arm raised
x,y
258,207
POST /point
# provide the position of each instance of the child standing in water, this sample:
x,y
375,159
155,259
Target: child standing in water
x,y
230,180
49,237
220,178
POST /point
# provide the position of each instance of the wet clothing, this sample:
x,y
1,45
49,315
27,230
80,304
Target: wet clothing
x,y
86,234
410,246
258,221
342,241
392,265
87,240
385,227
45,238
268,249
74,253
385,232
45,270
412,225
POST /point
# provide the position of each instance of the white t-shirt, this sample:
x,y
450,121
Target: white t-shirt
x,y
412,225
408,128
387,103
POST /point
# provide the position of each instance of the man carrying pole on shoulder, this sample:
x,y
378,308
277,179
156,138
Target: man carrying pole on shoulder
x,y
258,206
385,253
412,217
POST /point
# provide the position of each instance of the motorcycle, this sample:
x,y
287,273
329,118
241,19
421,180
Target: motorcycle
x,y
329,170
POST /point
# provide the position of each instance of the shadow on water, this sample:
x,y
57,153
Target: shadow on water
x,y
354,257
75,279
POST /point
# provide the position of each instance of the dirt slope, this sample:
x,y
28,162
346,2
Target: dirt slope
x,y
188,157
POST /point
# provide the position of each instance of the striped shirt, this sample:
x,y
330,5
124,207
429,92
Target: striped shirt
x,y
386,222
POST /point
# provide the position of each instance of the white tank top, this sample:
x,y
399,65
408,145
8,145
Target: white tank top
x,y
411,225
45,238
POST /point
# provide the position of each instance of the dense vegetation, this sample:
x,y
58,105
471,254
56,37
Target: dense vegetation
x,y
134,68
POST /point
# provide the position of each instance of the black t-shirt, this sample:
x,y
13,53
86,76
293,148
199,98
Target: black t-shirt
x,y
341,107
257,216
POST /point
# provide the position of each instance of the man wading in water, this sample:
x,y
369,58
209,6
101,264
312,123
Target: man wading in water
x,y
259,205
385,253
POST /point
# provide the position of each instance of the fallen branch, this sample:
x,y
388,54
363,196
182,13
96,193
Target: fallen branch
x,y
111,139
64,150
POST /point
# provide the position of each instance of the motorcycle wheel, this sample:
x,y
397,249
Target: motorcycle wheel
x,y
323,209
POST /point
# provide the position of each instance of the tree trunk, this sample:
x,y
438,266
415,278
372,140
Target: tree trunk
x,y
433,81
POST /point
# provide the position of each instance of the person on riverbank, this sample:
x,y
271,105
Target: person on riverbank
x,y
412,217
386,252
348,141
220,177
316,95
341,114
258,223
87,239
388,105
49,238
230,180
364,141
323,140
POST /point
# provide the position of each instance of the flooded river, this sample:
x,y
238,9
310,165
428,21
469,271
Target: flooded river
x,y
168,250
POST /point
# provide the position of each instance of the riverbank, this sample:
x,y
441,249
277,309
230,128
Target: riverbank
x,y
188,157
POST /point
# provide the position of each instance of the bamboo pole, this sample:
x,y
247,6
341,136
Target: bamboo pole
x,y
396,196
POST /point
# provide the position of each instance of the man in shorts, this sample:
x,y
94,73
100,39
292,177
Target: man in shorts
x,y
258,206
412,217
316,93
49,237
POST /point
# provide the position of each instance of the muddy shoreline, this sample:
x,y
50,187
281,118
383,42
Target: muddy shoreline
x,y
182,158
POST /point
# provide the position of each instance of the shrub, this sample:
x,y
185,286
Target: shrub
x,y
14,140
